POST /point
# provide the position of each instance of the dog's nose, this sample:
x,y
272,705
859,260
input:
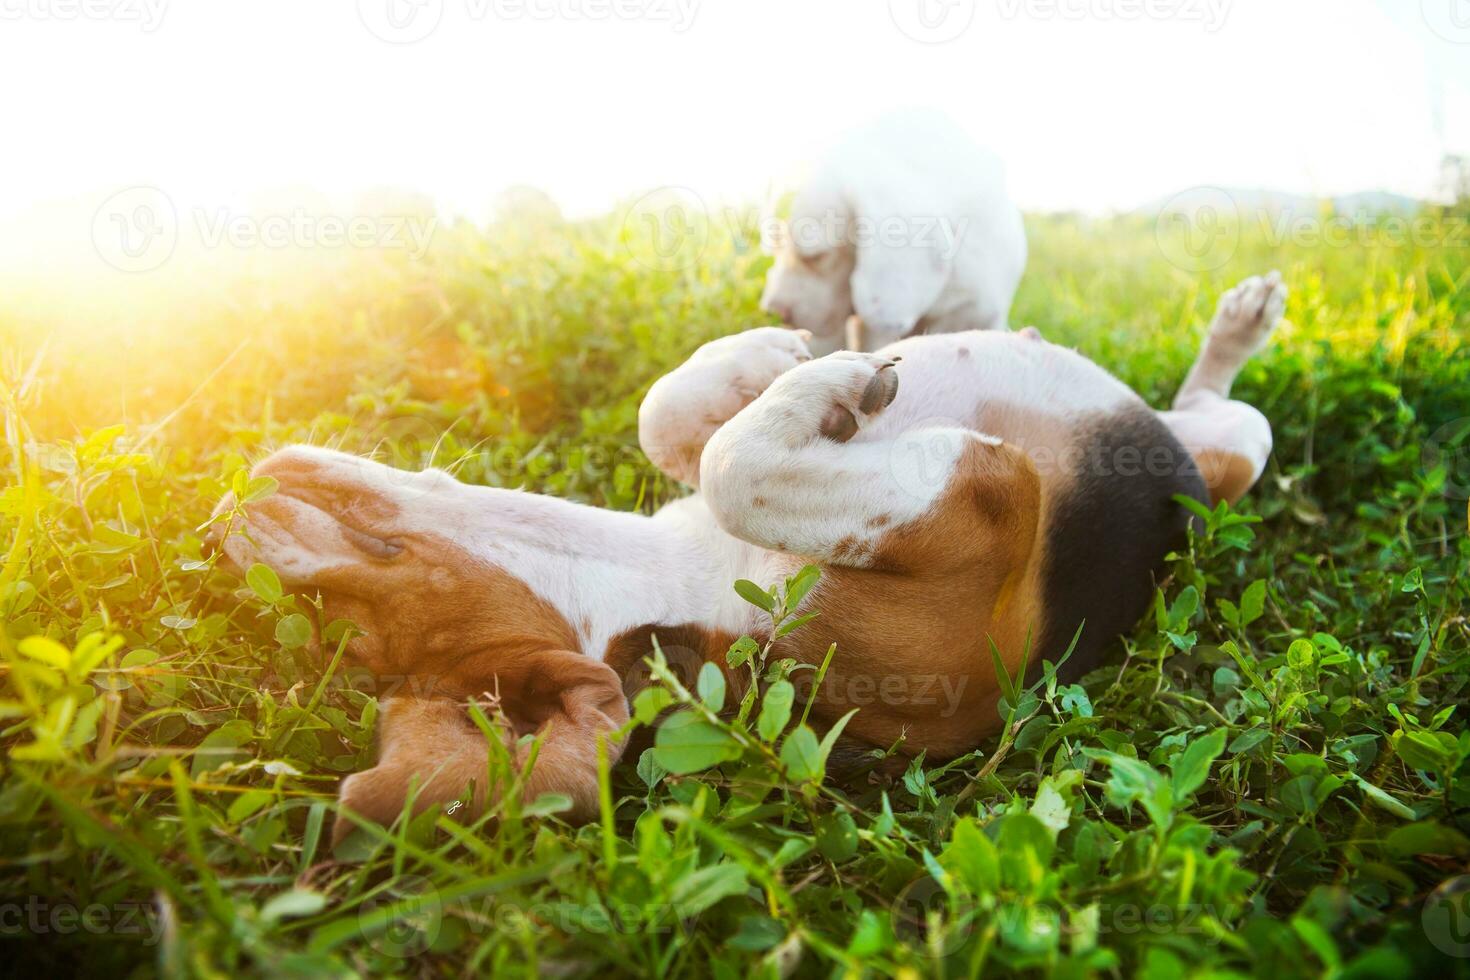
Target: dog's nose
x,y
781,311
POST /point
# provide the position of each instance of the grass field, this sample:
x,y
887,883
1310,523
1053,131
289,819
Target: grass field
x,y
1269,777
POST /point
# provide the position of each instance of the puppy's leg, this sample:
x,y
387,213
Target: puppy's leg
x,y
1229,440
791,472
685,407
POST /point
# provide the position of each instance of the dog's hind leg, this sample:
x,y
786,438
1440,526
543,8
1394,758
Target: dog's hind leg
x,y
1229,440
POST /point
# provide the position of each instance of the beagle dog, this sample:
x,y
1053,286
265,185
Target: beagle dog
x,y
904,227
958,491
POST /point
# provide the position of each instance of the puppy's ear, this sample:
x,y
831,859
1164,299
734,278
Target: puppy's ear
x,y
573,700
586,703
821,217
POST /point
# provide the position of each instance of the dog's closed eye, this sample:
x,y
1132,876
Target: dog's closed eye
x,y
372,545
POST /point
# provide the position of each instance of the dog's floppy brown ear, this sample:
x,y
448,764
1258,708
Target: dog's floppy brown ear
x,y
581,700
434,740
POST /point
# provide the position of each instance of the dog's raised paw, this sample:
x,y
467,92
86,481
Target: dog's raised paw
x,y
1248,313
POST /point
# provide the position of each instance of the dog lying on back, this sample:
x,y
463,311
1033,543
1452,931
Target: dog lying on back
x,y
904,227
958,491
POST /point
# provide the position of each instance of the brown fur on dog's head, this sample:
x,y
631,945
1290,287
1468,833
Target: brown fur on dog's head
x,y
409,559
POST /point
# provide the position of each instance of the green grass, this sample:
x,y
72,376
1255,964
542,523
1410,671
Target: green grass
x,y
1269,777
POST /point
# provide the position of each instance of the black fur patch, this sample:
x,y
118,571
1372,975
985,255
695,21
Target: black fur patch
x,y
1109,533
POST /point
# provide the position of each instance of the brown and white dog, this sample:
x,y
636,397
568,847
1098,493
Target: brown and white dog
x,y
958,490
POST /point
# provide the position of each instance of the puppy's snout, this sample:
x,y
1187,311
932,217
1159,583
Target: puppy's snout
x,y
779,310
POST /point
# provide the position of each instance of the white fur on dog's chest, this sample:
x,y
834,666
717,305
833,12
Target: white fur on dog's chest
x,y
723,559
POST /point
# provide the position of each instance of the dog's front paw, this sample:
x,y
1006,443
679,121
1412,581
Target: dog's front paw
x,y
1248,313
841,393
753,359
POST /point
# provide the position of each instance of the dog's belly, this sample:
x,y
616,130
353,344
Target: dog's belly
x,y
1028,392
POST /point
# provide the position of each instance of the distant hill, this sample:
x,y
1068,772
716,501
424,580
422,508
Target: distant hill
x,y
1279,202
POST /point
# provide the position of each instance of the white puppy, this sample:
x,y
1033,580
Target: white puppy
x,y
905,223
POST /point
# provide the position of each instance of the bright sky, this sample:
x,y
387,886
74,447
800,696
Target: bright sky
x,y
1094,104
